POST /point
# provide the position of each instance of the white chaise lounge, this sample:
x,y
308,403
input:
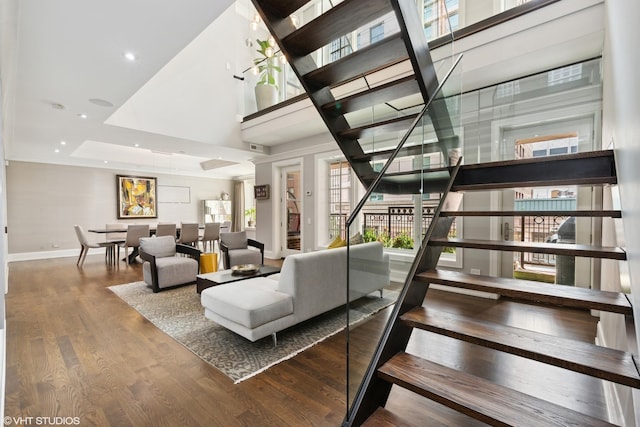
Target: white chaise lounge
x,y
309,284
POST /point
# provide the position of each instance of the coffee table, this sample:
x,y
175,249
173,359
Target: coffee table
x,y
206,280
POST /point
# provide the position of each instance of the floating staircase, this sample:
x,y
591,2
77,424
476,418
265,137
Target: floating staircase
x,y
392,366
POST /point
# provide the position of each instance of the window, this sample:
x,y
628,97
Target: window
x,y
558,150
376,32
339,48
339,197
440,17
565,74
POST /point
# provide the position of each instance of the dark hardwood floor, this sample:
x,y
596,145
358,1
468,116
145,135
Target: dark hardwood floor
x,y
74,349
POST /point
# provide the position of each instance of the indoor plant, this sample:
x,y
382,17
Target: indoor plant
x,y
251,215
266,66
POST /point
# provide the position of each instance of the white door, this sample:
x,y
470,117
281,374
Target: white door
x,y
291,210
540,140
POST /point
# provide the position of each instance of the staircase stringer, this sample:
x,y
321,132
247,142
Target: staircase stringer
x,y
279,28
373,391
425,71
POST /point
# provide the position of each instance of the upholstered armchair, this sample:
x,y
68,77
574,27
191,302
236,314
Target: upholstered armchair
x,y
236,250
164,267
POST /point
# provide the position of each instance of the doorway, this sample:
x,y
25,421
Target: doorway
x,y
557,137
291,210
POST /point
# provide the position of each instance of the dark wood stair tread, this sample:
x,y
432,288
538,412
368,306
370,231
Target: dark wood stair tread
x,y
378,128
535,183
411,150
589,359
535,247
384,53
566,296
580,213
283,9
587,168
375,96
384,418
333,24
477,397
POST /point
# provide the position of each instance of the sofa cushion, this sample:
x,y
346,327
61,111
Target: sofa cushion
x,y
172,271
236,240
250,303
160,247
244,256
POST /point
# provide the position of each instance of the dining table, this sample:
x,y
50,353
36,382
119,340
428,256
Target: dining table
x,y
134,252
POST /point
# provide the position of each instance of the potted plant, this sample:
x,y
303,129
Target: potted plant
x,y
251,214
266,66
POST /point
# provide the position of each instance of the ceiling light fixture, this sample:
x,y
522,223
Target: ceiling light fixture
x,y
136,145
82,116
56,151
101,102
130,56
63,142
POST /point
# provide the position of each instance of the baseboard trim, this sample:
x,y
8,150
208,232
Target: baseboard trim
x,y
614,408
63,253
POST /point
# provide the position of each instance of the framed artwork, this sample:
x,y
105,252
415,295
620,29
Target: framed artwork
x,y
137,197
261,191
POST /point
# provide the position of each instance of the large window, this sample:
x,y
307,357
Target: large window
x,y
339,197
339,48
440,17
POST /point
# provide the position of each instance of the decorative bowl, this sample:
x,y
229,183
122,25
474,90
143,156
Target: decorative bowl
x,y
245,269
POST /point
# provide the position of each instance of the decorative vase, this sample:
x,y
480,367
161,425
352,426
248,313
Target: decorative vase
x,y
266,96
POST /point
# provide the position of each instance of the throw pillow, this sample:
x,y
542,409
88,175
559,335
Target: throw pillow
x,y
356,239
340,244
335,242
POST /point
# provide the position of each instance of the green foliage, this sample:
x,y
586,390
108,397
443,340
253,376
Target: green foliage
x,y
369,235
402,241
267,64
251,213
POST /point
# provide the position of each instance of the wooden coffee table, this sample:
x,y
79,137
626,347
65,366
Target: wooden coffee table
x,y
206,280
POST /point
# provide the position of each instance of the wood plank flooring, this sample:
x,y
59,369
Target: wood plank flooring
x,y
74,349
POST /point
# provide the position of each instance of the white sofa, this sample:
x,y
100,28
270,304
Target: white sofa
x,y
308,284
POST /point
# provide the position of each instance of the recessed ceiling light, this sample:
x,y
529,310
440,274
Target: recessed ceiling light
x,y
101,102
136,145
105,162
82,116
130,56
63,142
56,151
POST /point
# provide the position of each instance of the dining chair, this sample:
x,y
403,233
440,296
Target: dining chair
x,y
115,237
225,227
166,229
211,235
85,245
189,234
134,233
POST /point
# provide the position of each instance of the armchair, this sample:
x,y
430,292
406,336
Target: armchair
x,y
163,268
235,249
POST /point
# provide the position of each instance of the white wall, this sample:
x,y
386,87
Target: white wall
x,y
45,201
621,109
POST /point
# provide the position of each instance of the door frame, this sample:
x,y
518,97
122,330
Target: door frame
x,y
277,203
589,110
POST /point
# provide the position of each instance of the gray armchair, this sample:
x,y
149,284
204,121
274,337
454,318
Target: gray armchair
x,y
164,267
235,249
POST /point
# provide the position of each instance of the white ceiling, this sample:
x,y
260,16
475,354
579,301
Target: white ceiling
x,y
176,101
